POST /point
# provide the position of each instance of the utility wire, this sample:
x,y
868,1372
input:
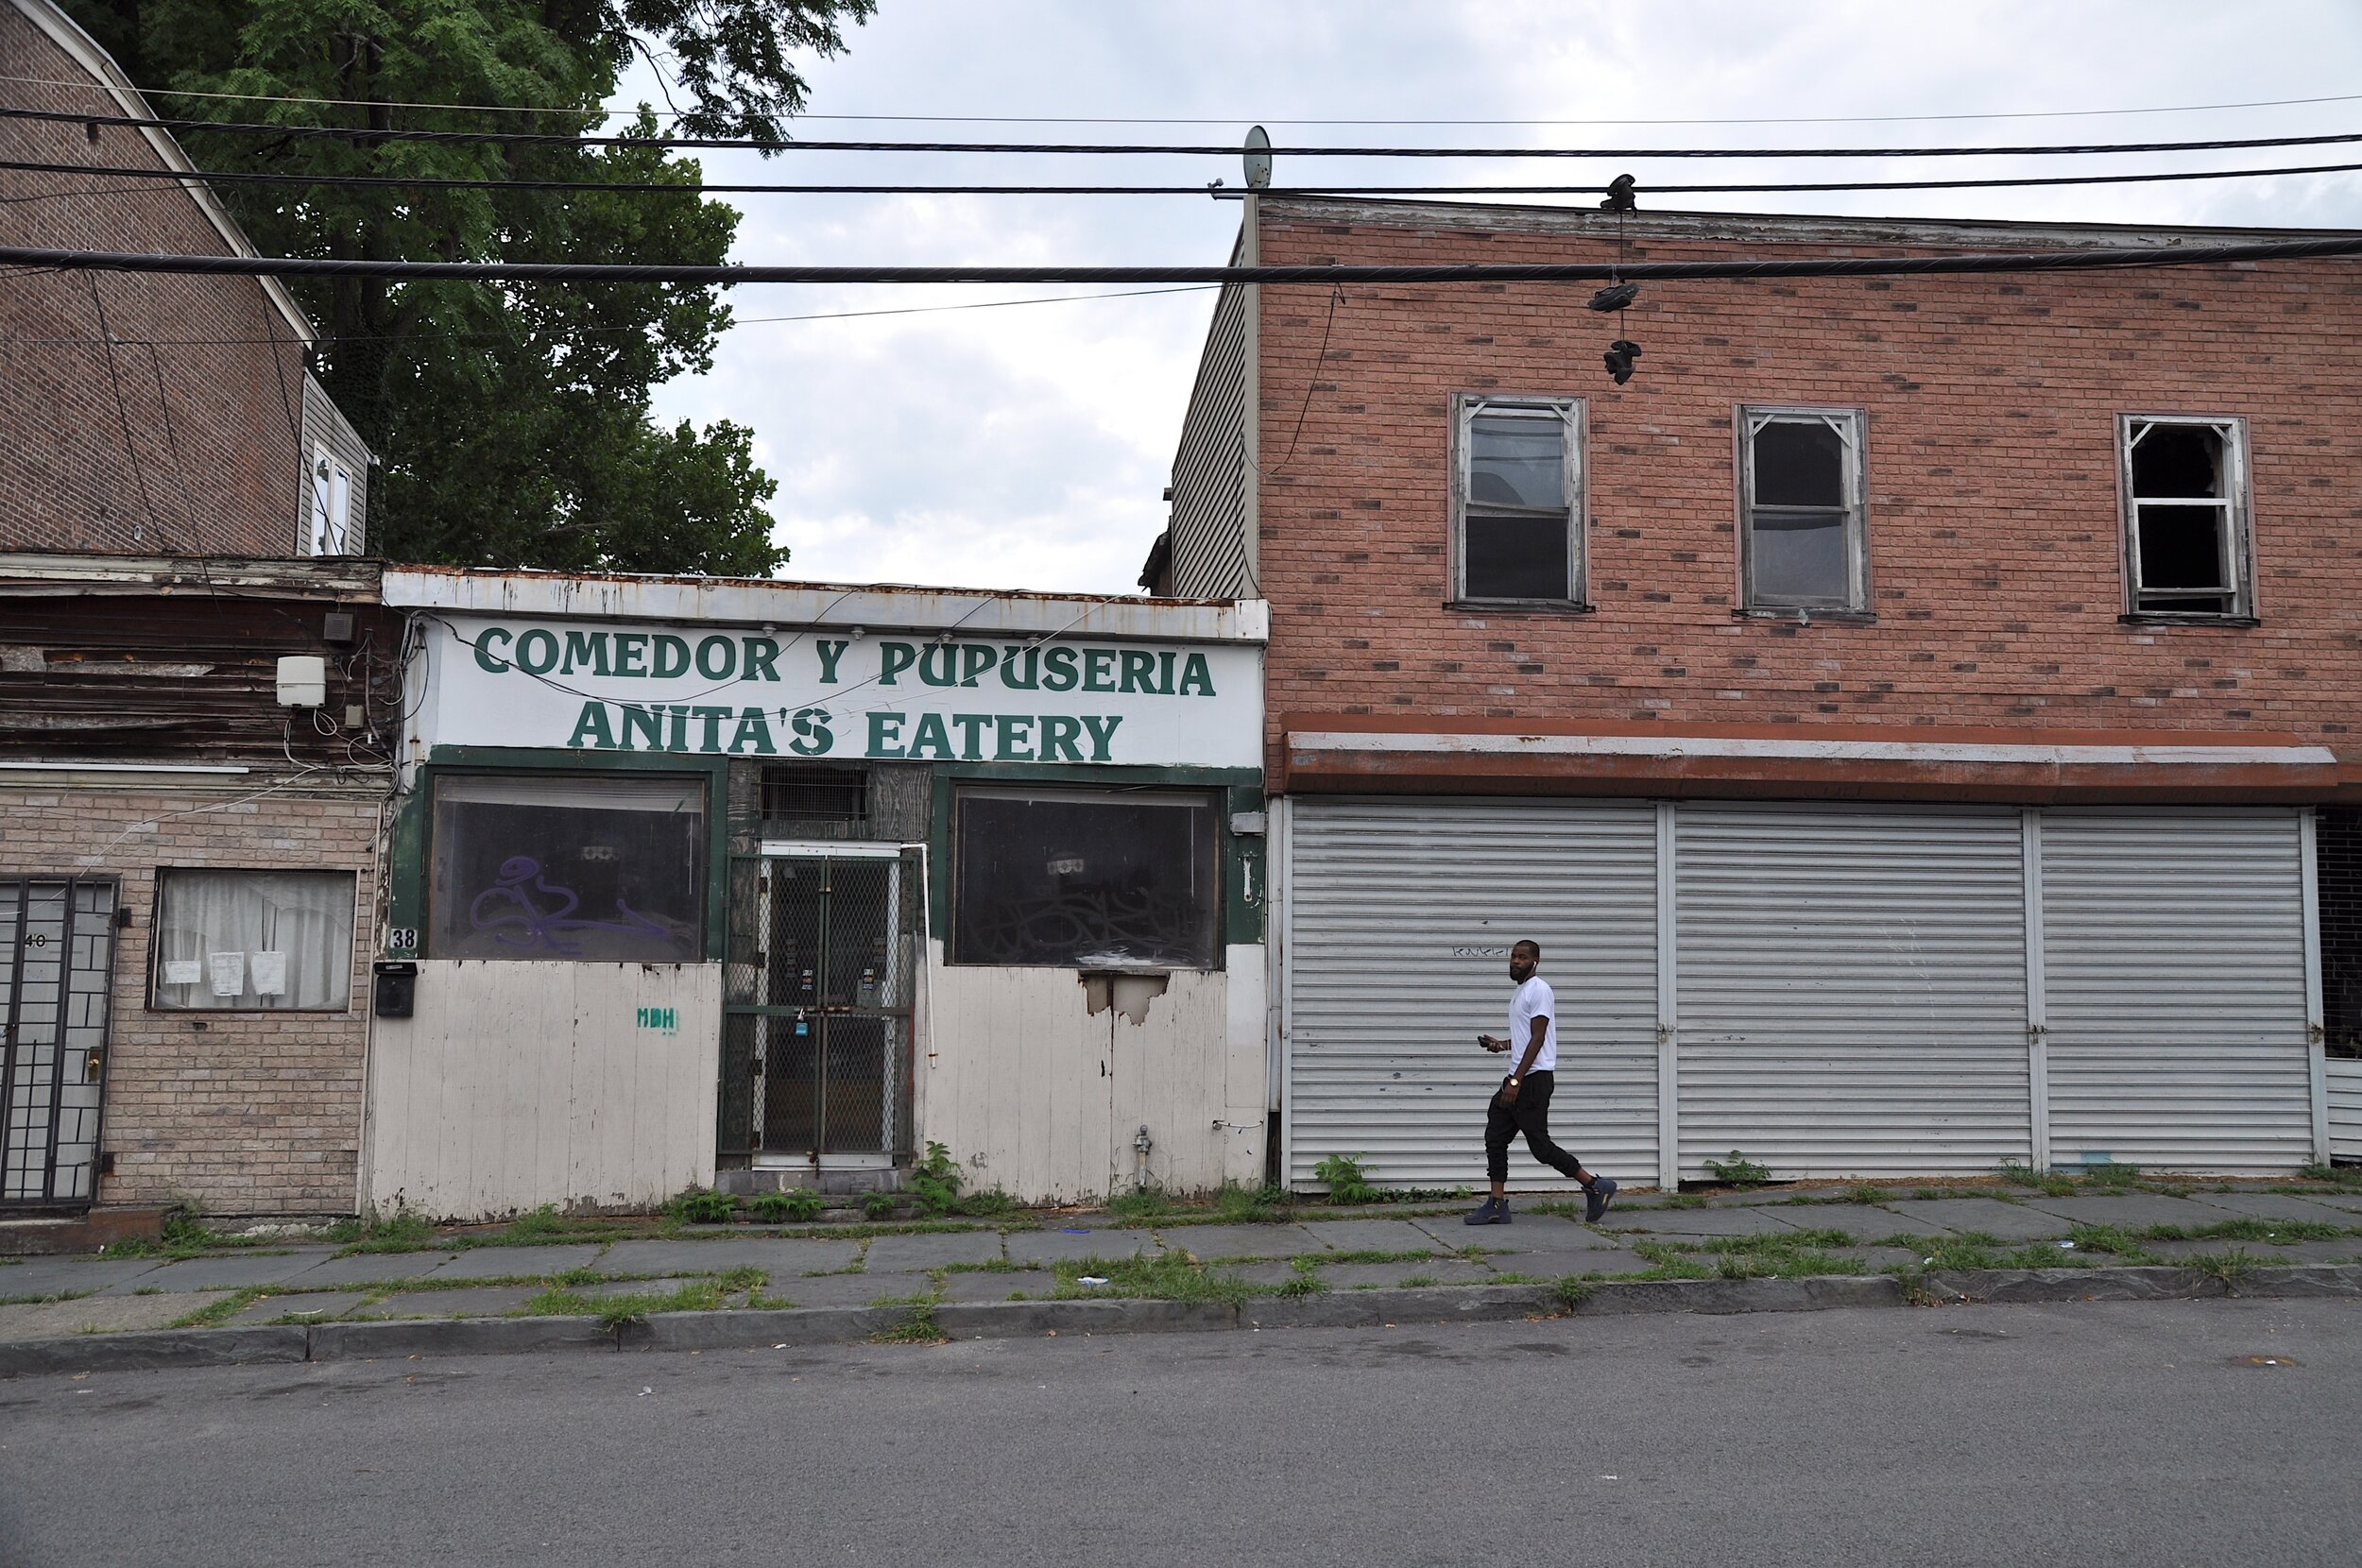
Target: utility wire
x,y
244,128
2076,260
1234,119
426,182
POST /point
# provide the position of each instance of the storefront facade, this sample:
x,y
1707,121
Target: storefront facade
x,y
760,884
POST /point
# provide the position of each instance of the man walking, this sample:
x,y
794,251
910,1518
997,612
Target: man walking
x,y
1522,1104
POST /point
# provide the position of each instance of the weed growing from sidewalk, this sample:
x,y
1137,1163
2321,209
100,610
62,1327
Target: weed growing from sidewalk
x,y
1243,1205
1169,1277
1670,1263
935,1180
2229,1267
797,1203
2110,1174
399,1232
1740,1171
1141,1204
37,1299
558,1301
1868,1194
1571,1293
1348,1183
879,1205
917,1327
1368,1254
2283,1231
2039,1181
222,1308
700,1206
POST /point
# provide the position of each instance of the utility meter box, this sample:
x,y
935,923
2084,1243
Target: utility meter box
x,y
302,680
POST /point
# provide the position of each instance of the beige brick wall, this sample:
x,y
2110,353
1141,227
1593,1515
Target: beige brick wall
x,y
250,1114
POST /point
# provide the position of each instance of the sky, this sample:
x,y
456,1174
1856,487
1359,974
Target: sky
x,y
1027,446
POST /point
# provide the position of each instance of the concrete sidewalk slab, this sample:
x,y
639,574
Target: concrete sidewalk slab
x,y
1699,1222
998,1285
2133,1211
1524,1233
1863,1223
1207,1242
2249,1205
314,1304
848,1290
1376,1235
2002,1222
56,1276
1556,1265
1059,1246
492,1263
367,1269
486,1301
1271,1272
230,1271
779,1257
932,1249
606,1289
1433,1272
103,1314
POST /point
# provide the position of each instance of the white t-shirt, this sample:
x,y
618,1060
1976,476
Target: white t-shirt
x,y
1534,1000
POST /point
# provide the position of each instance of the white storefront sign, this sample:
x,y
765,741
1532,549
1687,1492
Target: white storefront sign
x,y
828,693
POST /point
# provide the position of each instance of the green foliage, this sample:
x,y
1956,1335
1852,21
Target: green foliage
x,y
1740,1171
1167,1277
698,1206
2112,1173
1571,1291
1142,1203
935,1181
793,1203
511,419
988,1203
1243,1205
1348,1183
916,1327
1865,1193
400,1232
877,1206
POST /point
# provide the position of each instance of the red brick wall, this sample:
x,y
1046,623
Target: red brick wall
x,y
213,428
248,1112
1993,524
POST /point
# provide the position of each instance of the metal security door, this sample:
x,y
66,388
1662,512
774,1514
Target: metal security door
x,y
816,1057
57,972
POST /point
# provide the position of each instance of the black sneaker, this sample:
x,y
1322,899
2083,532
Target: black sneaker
x,y
1493,1211
1597,1197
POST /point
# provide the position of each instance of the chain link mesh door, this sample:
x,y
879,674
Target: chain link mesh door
x,y
57,972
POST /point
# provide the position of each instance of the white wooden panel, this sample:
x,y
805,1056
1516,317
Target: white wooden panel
x,y
2345,1109
519,1084
1400,914
1851,988
2175,983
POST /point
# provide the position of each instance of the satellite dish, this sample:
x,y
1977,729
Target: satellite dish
x,y
1257,158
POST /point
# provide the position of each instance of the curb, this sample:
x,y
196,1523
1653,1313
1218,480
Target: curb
x,y
828,1325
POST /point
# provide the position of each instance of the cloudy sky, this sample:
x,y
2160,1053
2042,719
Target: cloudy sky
x,y
1027,446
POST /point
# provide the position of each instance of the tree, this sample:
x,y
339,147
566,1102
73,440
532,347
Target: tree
x,y
512,419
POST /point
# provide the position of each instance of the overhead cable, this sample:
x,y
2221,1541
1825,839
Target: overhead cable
x,y
247,128
2077,260
651,187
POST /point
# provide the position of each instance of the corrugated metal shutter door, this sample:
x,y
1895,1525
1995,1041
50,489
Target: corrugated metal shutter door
x,y
2173,949
1383,1013
1851,989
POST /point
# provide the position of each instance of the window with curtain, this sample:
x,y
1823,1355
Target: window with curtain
x,y
253,941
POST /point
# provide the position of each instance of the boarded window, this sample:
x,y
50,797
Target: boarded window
x,y
1520,499
253,941
1096,880
1801,478
2187,537
816,794
556,866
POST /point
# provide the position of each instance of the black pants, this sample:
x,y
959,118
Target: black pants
x,y
1531,1116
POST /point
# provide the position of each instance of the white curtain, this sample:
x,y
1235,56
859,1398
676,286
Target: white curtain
x,y
248,941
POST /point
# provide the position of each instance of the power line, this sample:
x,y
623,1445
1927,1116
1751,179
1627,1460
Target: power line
x,y
1241,119
2078,260
436,183
1061,149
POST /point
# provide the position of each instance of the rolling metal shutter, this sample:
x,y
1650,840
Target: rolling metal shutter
x,y
1399,916
2174,962
1851,989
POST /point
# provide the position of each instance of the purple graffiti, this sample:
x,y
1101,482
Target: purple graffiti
x,y
513,910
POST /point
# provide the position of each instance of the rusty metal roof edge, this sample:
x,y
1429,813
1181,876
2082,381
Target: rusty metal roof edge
x,y
51,571
871,605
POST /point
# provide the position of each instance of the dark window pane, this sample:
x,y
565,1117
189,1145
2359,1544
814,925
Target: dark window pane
x,y
596,870
1799,558
2182,549
1517,462
1799,463
1516,557
1085,883
2178,462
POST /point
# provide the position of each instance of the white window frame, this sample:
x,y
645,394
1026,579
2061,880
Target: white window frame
x,y
1570,411
329,486
1852,430
166,994
2237,538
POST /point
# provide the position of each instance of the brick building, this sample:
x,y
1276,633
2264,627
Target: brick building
x,y
1907,711
148,414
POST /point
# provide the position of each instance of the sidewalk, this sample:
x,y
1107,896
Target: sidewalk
x,y
1801,1248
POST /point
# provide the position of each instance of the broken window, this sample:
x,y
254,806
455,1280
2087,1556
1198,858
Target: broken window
x,y
2186,539
1518,500
1801,483
1085,879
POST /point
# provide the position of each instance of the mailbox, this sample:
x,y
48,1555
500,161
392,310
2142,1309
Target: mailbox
x,y
397,988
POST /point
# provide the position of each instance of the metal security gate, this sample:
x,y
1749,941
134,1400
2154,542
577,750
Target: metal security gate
x,y
2176,988
823,969
1399,917
1851,991
57,982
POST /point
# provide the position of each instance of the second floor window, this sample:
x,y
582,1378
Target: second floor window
x,y
1519,501
2186,525
331,505
1800,504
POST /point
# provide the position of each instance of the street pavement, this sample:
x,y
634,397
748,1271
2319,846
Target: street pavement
x,y
2214,1433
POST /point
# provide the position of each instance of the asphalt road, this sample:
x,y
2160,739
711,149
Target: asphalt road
x,y
2148,1434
